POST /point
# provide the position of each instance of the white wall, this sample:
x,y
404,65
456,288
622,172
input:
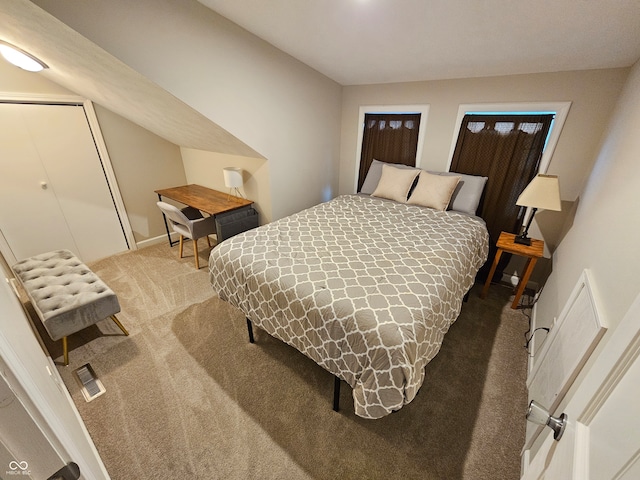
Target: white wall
x,y
592,94
142,162
205,168
602,235
281,108
605,229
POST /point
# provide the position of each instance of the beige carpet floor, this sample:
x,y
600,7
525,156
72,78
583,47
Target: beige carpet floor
x,y
187,396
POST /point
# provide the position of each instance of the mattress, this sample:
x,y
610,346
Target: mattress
x,y
365,287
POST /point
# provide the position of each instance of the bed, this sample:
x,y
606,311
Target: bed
x,y
364,285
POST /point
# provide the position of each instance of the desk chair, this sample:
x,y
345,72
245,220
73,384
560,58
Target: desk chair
x,y
189,223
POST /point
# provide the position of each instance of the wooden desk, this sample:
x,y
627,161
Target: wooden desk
x,y
204,199
506,244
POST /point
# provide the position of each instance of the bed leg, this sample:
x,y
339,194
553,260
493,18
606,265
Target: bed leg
x,y
465,299
250,329
336,394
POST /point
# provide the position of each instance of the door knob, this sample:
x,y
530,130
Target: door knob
x,y
536,413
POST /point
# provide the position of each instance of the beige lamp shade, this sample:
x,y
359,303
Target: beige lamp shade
x,y
232,177
542,192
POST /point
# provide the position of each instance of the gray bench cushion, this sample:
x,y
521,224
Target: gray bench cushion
x,y
65,294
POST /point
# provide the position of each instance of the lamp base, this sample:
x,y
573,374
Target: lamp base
x,y
522,240
234,192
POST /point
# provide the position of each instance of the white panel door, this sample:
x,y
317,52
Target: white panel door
x,y
30,217
20,437
54,192
40,427
602,437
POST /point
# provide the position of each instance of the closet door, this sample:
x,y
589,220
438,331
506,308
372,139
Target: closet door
x,y
53,191
30,216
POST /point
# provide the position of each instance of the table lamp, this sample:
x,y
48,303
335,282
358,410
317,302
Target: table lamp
x,y
542,192
233,179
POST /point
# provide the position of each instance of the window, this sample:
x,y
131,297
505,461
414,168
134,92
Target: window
x,y
506,148
390,138
390,133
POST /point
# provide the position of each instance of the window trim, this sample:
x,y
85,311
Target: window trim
x,y
560,109
423,110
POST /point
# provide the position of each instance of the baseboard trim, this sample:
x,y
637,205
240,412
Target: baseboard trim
x,y
163,239
156,240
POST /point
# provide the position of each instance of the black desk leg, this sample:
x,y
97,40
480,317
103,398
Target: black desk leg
x,y
166,226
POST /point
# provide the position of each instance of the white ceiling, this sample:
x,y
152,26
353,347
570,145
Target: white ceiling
x,y
350,41
380,41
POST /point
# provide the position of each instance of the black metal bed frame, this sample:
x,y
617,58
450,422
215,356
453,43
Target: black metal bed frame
x,y
336,380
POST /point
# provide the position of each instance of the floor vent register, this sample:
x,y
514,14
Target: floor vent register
x,y
90,384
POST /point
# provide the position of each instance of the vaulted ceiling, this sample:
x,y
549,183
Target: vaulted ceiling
x,y
382,41
87,70
349,41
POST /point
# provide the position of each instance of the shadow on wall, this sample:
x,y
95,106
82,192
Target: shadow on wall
x,y
554,226
551,227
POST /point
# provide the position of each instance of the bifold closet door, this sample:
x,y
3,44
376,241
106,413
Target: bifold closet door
x,y
53,191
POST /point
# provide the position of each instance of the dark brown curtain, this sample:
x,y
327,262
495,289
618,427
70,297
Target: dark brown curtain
x,y
506,149
390,138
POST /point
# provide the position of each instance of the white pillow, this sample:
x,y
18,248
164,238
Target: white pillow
x,y
395,183
373,175
433,191
466,197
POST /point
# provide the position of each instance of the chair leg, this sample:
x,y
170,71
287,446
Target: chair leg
x,y
65,351
208,241
195,253
181,242
124,330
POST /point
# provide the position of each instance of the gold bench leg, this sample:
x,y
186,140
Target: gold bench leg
x,y
65,351
124,330
65,347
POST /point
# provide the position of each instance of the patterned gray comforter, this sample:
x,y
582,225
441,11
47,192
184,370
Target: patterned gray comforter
x,y
365,287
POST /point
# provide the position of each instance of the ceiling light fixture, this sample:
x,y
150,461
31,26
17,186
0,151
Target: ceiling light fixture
x,y
20,58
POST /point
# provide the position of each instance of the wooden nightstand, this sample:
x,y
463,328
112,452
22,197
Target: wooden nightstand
x,y
506,244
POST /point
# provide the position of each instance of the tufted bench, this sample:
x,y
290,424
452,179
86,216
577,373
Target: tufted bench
x,y
65,294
